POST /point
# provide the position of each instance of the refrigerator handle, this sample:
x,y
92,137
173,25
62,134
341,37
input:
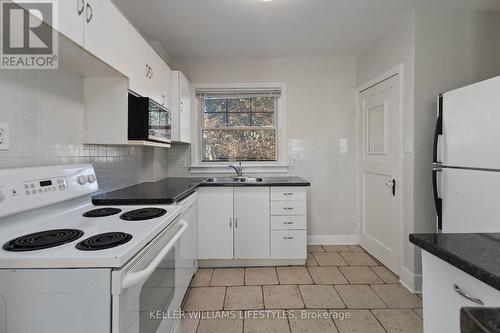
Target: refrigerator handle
x,y
437,200
438,130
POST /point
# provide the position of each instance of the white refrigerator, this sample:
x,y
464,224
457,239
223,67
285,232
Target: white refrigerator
x,y
466,173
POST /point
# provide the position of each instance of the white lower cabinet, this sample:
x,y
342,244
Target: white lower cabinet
x,y
233,223
241,223
215,223
251,223
446,290
288,223
188,245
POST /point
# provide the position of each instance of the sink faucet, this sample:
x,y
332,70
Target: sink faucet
x,y
238,169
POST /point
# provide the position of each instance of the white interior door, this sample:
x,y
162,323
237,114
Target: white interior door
x,y
379,129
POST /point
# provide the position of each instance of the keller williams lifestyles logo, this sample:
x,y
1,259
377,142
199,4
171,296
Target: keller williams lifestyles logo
x,y
29,38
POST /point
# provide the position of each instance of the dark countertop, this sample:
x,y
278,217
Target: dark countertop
x,y
170,190
480,319
474,253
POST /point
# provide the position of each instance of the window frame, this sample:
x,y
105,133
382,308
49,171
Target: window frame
x,y
280,165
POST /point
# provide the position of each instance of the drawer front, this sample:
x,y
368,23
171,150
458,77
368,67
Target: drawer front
x,y
288,244
288,208
442,277
288,222
288,193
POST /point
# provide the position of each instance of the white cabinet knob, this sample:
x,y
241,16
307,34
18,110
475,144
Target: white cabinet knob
x,y
91,179
82,180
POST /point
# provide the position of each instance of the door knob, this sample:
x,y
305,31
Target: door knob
x,y
392,185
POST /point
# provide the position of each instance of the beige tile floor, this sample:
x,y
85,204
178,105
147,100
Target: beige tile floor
x,y
342,289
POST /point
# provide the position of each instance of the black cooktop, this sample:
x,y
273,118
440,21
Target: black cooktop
x,y
102,212
104,241
43,240
142,214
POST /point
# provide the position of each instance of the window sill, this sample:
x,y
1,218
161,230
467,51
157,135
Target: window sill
x,y
224,169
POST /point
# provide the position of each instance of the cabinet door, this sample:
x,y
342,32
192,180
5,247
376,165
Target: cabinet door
x,y
106,33
215,223
137,69
184,109
71,19
252,223
159,80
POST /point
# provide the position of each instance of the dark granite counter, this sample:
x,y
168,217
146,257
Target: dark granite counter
x,y
170,190
475,254
480,320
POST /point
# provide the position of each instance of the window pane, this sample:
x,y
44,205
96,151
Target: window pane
x,y
239,104
215,104
263,119
376,129
214,119
263,104
239,145
154,118
239,119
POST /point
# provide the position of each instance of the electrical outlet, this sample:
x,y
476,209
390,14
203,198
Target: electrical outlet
x,y
293,161
183,163
4,136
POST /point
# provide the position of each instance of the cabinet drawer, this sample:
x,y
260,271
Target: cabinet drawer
x,y
288,244
442,303
442,276
288,208
288,193
288,222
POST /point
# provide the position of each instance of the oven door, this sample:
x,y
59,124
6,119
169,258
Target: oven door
x,y
145,298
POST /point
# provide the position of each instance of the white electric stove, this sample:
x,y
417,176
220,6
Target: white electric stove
x,y
66,265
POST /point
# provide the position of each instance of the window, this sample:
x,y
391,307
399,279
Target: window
x,y
239,125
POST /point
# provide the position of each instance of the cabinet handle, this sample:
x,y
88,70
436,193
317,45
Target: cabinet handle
x,y
288,194
236,223
287,222
151,74
230,222
288,208
89,8
80,10
287,238
468,297
147,71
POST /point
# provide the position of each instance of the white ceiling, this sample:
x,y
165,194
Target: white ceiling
x,y
221,29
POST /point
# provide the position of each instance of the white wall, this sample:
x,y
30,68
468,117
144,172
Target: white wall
x,y
397,47
320,112
45,111
453,49
440,51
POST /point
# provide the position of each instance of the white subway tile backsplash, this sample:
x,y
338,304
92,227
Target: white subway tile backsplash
x,y
45,111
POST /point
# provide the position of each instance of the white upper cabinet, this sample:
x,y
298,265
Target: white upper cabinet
x,y
159,78
138,68
106,33
180,104
71,19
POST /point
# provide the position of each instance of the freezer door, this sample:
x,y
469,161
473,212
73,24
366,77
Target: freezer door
x,y
471,133
470,200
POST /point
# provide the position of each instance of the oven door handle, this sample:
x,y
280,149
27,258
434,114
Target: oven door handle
x,y
132,279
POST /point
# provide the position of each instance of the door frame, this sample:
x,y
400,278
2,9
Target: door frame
x,y
397,70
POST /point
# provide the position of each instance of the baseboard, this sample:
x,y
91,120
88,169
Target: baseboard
x,y
333,239
412,282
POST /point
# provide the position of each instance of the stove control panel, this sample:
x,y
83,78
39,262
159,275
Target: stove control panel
x,y
42,186
27,188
